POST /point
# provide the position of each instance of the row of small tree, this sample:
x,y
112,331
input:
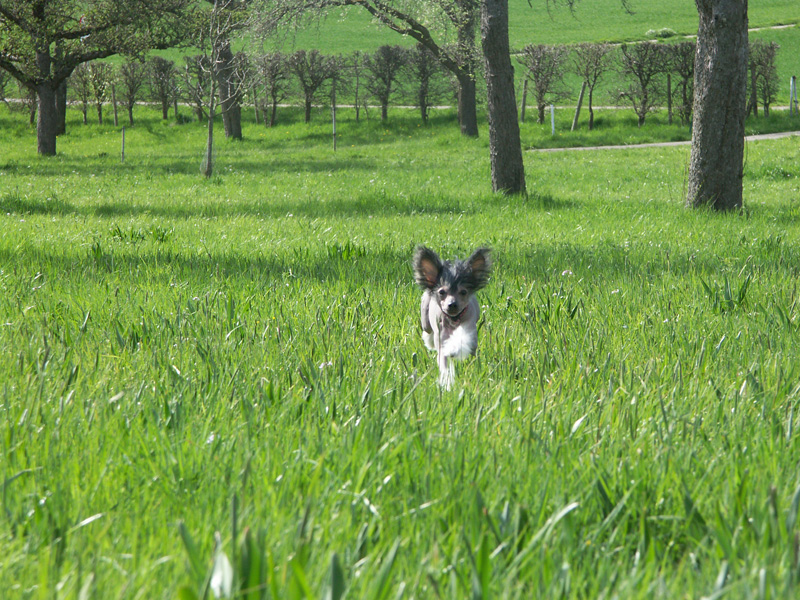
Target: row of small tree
x,y
651,75
266,81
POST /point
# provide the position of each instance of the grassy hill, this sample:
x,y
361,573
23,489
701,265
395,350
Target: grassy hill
x,y
591,21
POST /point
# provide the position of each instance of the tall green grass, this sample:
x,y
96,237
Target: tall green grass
x,y
241,355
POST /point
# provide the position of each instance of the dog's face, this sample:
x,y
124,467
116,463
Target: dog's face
x,y
451,283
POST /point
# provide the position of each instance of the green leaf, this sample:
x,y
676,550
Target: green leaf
x,y
195,561
385,571
335,589
186,593
484,566
791,517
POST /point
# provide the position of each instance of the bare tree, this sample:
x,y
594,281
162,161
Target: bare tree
x,y
384,67
681,62
162,82
99,77
357,69
763,74
716,167
312,69
446,27
590,62
505,146
133,75
425,69
545,67
641,64
274,71
82,84
195,83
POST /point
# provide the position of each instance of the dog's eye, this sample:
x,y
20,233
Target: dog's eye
x,y
442,293
463,293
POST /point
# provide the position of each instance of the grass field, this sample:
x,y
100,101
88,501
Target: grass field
x,y
240,355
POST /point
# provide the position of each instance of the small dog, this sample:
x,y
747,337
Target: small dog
x,y
449,309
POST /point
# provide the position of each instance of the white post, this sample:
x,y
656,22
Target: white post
x,y
553,119
578,109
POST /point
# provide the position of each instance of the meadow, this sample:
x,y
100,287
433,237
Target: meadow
x,y
195,367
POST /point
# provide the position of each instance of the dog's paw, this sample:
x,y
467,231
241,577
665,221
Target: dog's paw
x,y
447,377
427,338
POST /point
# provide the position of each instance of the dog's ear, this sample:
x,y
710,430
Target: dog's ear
x,y
426,267
480,264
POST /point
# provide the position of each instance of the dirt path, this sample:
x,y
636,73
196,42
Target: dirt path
x,y
749,138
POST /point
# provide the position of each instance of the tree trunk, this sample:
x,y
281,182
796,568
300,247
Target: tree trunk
x,y
540,108
228,98
99,113
467,106
717,163
384,111
61,108
130,114
591,109
308,110
47,122
114,104
165,109
505,148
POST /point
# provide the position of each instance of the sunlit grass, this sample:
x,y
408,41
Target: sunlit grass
x,y
183,356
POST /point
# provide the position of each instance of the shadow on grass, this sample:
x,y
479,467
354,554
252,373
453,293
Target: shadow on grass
x,y
363,206
604,263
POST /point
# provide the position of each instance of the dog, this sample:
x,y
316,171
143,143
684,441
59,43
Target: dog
x,y
449,308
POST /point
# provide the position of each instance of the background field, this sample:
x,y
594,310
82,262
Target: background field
x,y
169,343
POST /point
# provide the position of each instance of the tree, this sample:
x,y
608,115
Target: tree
x,y
681,61
425,69
505,147
229,17
641,63
312,69
51,38
162,82
384,67
545,67
274,71
357,68
446,27
716,167
763,74
81,81
133,75
195,75
590,62
99,78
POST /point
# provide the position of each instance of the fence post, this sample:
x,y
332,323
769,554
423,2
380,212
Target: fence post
x,y
578,109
